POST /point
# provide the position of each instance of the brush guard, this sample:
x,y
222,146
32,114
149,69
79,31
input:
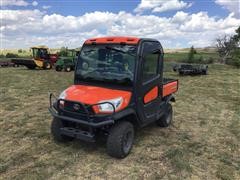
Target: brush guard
x,y
85,117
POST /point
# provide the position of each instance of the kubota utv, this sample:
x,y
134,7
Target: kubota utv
x,y
67,62
118,88
41,59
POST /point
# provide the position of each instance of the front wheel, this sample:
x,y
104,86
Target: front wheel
x,y
166,119
58,68
67,69
55,130
120,139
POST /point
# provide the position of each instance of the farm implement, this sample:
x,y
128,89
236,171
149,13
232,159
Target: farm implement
x,y
191,69
41,59
7,64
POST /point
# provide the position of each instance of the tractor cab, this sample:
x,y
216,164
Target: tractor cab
x,y
40,53
71,53
41,57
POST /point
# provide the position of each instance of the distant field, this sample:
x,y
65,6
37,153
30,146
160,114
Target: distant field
x,y
179,56
22,52
202,143
171,55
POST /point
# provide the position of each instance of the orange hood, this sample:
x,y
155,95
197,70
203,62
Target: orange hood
x,y
93,94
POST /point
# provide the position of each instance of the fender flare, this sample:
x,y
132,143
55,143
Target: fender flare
x,y
126,113
170,98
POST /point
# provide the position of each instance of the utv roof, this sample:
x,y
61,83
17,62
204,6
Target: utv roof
x,y
113,40
39,47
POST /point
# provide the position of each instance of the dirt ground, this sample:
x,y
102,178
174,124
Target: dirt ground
x,y
202,143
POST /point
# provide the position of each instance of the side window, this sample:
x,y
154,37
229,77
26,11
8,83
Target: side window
x,y
150,60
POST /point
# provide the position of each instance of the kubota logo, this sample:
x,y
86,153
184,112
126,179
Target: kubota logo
x,y
76,107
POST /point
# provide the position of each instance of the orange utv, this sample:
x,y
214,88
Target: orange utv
x,y
118,88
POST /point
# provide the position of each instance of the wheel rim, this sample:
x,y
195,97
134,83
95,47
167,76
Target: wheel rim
x,y
127,141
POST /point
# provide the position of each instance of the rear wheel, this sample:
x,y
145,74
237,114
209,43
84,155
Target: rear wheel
x,y
47,65
67,68
166,119
58,68
120,139
55,130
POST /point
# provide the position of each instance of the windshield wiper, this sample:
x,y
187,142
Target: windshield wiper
x,y
118,81
118,50
114,49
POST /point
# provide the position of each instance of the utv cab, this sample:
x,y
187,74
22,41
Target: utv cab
x,y
118,87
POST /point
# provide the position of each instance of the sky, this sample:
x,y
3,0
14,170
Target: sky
x,y
68,23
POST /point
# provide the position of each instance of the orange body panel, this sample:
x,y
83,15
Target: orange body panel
x,y
170,88
151,95
93,95
114,39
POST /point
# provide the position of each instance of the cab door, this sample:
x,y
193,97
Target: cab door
x,y
149,81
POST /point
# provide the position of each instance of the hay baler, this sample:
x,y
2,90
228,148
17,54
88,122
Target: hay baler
x,y
41,59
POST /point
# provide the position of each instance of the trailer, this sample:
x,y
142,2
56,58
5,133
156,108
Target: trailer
x,y
8,64
191,69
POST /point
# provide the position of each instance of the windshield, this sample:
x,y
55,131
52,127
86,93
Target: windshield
x,y
39,53
107,63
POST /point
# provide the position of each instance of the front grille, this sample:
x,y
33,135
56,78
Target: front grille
x,y
76,108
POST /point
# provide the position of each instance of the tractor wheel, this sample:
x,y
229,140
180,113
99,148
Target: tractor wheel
x,y
47,65
58,68
55,130
166,119
120,139
67,68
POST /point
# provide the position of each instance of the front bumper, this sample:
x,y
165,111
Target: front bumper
x,y
80,121
85,118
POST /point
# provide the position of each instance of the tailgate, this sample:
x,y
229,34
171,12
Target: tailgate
x,y
170,87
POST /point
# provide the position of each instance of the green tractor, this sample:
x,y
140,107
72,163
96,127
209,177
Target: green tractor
x,y
67,61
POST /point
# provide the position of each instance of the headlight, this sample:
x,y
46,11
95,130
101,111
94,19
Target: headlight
x,y
106,107
62,95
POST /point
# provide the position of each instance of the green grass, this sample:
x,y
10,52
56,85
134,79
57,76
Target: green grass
x,y
202,143
180,56
24,53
